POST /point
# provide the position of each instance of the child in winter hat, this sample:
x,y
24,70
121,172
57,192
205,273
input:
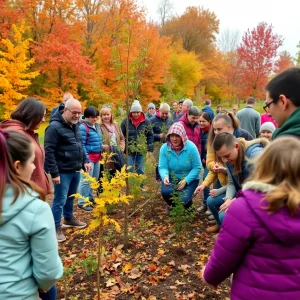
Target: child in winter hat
x,y
136,106
267,129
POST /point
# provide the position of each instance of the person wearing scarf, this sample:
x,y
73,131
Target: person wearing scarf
x,y
112,135
179,166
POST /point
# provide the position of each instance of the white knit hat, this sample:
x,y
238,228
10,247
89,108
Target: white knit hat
x,y
268,126
136,106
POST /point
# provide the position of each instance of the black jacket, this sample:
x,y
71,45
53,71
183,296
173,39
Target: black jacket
x,y
63,146
144,127
158,123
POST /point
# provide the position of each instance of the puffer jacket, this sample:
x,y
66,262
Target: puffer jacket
x,y
144,127
63,146
260,248
192,131
91,138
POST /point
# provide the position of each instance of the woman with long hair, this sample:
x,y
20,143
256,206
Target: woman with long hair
x,y
27,118
259,241
113,138
29,259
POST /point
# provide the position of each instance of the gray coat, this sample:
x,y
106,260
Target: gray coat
x,y
249,120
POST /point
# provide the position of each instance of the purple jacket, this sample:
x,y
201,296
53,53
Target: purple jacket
x,y
261,249
192,131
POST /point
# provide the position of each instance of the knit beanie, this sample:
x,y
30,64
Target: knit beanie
x,y
268,126
151,105
136,106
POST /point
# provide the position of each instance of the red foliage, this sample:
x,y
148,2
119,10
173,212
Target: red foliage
x,y
257,54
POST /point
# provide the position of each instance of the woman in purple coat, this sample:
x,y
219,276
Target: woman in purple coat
x,y
260,238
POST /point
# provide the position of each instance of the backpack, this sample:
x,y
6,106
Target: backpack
x,y
87,132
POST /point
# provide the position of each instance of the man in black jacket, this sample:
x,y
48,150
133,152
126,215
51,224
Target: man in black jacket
x,y
64,158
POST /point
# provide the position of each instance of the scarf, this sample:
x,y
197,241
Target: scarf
x,y
110,127
176,148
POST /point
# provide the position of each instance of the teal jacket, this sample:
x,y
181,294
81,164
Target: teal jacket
x,y
29,257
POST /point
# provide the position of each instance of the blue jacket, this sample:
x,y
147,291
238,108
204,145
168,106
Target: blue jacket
x,y
158,124
242,133
209,110
29,257
94,142
63,146
185,165
177,116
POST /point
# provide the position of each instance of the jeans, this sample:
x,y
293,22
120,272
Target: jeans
x,y
84,187
186,195
137,163
214,204
206,190
62,202
50,295
222,216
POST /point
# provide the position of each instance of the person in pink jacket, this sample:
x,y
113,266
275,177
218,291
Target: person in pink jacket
x,y
259,241
266,117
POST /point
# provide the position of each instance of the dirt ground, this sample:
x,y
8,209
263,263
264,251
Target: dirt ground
x,y
153,266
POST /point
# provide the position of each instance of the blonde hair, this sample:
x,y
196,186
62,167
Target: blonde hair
x,y
106,110
279,165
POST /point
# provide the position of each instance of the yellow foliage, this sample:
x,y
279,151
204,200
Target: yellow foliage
x,y
113,193
186,71
14,68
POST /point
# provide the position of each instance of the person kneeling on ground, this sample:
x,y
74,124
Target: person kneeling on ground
x,y
234,153
259,241
179,166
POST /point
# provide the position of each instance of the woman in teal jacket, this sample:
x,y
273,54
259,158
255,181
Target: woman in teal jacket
x,y
29,260
179,166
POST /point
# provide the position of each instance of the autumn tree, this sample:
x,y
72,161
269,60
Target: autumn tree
x,y
15,75
284,61
61,61
184,74
196,29
257,54
229,41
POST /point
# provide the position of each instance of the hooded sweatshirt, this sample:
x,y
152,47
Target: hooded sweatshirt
x,y
38,176
263,254
184,165
28,248
290,127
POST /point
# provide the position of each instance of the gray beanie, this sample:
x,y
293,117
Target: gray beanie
x,y
151,105
136,106
268,126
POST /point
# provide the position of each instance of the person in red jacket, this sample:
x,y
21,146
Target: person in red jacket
x,y
26,118
190,122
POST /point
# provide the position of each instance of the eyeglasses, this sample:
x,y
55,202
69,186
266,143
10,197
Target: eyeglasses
x,y
74,113
266,106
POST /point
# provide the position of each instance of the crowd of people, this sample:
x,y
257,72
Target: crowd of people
x,y
250,183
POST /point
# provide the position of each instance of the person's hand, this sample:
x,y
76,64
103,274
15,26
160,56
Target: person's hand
x,y
181,185
225,205
106,148
161,135
199,189
204,281
56,180
166,181
213,193
218,168
87,167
